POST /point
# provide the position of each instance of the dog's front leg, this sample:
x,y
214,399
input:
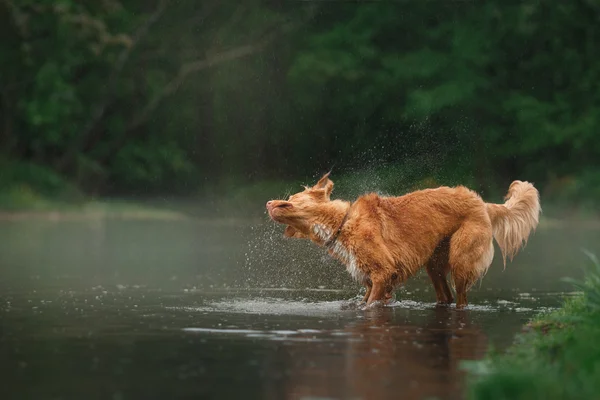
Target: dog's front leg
x,y
378,289
369,286
382,287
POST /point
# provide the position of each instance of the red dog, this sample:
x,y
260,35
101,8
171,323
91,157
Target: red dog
x,y
384,240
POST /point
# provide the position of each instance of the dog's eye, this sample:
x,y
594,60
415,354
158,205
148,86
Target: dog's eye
x,y
285,205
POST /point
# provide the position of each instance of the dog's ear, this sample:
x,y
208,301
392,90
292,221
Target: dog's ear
x,y
326,184
293,233
322,182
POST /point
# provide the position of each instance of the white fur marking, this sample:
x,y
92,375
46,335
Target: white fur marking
x,y
323,232
342,253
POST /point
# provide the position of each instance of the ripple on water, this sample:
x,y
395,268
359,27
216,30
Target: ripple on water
x,y
278,306
270,306
325,311
287,335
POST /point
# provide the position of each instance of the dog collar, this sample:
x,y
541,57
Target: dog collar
x,y
329,242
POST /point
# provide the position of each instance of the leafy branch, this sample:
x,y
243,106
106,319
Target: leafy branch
x,y
100,109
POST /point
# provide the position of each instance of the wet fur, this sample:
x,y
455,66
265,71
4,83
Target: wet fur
x,y
385,240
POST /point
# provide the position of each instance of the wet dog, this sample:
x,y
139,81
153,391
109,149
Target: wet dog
x,y
383,241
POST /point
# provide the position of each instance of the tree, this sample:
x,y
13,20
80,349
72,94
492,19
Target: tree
x,y
93,78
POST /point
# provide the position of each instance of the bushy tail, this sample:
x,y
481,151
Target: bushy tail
x,y
513,221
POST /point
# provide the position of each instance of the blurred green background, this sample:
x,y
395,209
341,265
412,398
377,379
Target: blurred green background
x,y
235,99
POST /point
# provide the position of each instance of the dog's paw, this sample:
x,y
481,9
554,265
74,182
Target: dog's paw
x,y
352,304
349,306
392,303
374,305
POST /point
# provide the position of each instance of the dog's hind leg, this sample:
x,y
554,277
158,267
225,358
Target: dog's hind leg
x,y
471,253
437,268
438,274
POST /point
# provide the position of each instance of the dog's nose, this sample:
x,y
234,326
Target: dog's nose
x,y
269,204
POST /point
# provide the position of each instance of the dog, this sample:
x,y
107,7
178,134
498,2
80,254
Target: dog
x,y
383,241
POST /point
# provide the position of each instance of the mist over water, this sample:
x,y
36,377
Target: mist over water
x,y
229,307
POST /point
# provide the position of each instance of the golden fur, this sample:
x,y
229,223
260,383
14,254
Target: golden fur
x,y
383,241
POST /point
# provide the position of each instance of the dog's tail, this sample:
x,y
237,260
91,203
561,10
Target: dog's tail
x,y
513,221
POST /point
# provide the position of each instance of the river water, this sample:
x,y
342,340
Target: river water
x,y
105,308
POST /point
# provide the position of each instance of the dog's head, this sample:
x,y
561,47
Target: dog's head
x,y
299,211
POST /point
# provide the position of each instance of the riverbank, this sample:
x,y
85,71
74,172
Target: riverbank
x,y
93,210
557,357
245,203
26,188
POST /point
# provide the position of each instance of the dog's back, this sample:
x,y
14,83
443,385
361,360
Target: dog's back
x,y
411,226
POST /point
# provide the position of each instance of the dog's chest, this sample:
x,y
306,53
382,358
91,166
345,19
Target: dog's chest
x,y
339,251
349,260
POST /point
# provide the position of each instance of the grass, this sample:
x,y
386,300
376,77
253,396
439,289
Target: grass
x,y
558,357
27,187
28,190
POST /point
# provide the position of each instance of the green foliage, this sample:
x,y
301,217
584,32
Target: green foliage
x,y
495,64
135,97
86,93
147,165
28,186
558,359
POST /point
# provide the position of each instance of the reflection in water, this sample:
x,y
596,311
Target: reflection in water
x,y
112,309
380,358
140,344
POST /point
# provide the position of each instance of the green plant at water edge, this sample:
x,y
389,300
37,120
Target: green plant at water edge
x,y
558,358
25,185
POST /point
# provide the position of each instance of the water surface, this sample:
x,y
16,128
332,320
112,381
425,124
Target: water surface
x,y
116,309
